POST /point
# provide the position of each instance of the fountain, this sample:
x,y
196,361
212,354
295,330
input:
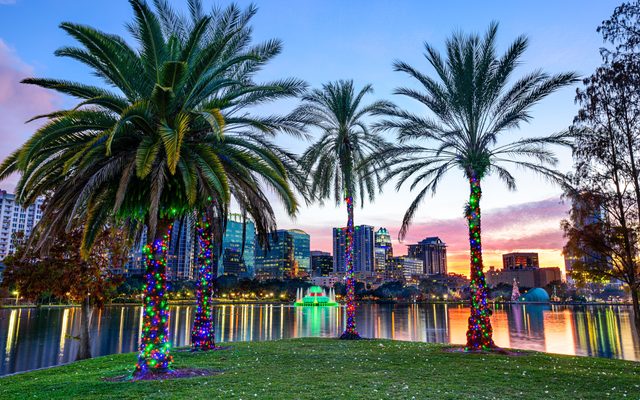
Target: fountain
x,y
316,296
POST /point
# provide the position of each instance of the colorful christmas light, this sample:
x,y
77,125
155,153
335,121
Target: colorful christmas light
x,y
203,333
479,333
154,354
350,331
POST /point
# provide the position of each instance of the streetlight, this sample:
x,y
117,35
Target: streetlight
x,y
16,293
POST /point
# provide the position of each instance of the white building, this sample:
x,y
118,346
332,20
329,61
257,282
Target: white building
x,y
14,218
326,281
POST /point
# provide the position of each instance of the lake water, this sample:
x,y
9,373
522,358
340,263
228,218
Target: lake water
x,y
35,338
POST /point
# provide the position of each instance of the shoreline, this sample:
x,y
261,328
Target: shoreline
x,y
381,302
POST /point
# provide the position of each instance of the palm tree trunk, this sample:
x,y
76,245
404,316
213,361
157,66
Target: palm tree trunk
x,y
84,352
479,333
203,333
154,354
350,332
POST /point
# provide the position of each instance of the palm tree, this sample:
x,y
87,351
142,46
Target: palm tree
x,y
170,136
335,161
472,104
209,233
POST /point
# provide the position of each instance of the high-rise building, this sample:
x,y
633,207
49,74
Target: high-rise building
x,y
181,254
288,256
520,261
586,210
234,259
321,263
14,218
383,254
301,252
363,254
433,253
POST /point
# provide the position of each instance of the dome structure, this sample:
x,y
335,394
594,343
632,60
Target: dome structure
x,y
536,295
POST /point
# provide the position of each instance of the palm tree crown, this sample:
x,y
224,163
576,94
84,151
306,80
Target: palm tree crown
x,y
336,161
472,104
171,133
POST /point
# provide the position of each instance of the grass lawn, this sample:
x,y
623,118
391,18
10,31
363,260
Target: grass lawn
x,y
332,369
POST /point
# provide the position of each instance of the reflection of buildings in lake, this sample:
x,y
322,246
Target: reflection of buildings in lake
x,y
500,326
436,322
458,316
526,326
559,331
630,342
607,331
34,338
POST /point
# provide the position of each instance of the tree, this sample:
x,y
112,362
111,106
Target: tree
x,y
336,161
472,106
65,274
168,138
602,229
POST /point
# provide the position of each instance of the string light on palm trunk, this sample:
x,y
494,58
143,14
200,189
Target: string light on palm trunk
x,y
350,331
203,334
479,333
154,344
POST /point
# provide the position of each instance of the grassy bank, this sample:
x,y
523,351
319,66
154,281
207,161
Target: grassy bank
x,y
329,368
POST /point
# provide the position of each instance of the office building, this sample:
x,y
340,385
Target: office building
x,y
301,252
236,259
288,256
181,255
383,254
363,250
408,268
520,261
433,253
321,263
14,218
586,210
526,278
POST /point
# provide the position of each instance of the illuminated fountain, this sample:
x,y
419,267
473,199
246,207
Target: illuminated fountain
x,y
316,296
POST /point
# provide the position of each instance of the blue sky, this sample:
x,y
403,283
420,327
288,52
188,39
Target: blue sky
x,y
329,40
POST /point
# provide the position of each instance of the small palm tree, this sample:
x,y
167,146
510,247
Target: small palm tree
x,y
335,162
171,136
472,105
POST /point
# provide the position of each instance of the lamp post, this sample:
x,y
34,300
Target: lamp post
x,y
17,294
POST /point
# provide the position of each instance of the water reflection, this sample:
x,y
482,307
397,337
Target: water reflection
x,y
34,338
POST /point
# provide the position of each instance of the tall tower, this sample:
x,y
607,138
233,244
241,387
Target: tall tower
x,y
236,259
433,253
363,250
15,219
383,253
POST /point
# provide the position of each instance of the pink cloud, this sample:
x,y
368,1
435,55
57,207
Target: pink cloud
x,y
19,103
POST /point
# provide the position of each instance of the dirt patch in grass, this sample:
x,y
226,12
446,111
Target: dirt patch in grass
x,y
188,350
177,373
497,350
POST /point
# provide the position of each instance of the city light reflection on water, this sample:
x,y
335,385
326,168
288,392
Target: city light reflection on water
x,y
35,338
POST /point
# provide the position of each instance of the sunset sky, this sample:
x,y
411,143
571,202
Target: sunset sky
x,y
330,40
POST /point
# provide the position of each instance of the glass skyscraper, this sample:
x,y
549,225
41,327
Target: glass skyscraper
x,y
232,260
288,256
363,250
383,254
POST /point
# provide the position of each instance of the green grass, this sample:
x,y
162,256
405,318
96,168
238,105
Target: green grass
x,y
332,369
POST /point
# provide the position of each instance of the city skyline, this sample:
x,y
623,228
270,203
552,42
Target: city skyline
x,y
554,46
